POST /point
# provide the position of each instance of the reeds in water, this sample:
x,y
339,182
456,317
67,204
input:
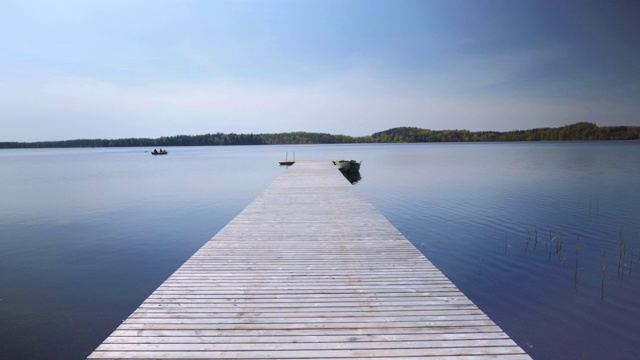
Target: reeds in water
x,y
591,207
604,267
575,274
506,244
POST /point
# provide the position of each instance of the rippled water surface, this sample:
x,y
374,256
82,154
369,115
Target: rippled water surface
x,y
544,237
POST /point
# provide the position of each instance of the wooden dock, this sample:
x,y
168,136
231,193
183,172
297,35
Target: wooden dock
x,y
310,269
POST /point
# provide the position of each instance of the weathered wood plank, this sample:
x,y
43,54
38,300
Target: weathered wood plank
x,y
131,324
121,337
350,333
312,346
310,269
490,353
203,313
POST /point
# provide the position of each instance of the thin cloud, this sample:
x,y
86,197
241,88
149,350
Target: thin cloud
x,y
66,108
198,67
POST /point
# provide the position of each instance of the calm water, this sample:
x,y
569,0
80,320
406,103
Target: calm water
x,y
544,237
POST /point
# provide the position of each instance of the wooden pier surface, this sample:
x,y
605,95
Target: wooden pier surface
x,y
310,269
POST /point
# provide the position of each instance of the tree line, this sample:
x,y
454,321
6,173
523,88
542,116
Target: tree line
x,y
578,131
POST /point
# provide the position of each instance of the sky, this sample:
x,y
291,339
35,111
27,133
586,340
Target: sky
x,y
135,68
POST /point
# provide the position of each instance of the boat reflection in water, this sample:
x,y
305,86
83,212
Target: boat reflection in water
x,y
353,177
350,169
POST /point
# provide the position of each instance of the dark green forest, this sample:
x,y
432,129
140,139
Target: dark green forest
x,y
578,131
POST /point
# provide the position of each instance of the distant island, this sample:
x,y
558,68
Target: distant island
x,y
578,131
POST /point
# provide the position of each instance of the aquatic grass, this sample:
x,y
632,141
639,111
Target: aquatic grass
x,y
535,240
559,243
547,244
506,243
622,257
575,274
591,206
604,267
558,238
638,259
559,255
548,241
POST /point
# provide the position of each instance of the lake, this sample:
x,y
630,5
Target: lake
x,y
543,237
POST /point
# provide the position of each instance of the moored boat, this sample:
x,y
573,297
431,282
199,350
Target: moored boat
x,y
342,165
354,166
288,162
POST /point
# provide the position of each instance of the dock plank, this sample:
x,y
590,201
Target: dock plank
x,y
310,269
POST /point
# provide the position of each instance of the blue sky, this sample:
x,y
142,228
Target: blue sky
x,y
116,69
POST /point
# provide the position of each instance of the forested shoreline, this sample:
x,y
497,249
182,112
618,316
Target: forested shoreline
x,y
579,131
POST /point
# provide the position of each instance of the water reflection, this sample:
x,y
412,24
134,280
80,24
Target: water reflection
x,y
353,177
542,237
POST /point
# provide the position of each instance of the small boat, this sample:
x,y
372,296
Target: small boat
x,y
161,152
287,162
342,165
354,166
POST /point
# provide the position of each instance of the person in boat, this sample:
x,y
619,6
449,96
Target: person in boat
x,y
155,151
